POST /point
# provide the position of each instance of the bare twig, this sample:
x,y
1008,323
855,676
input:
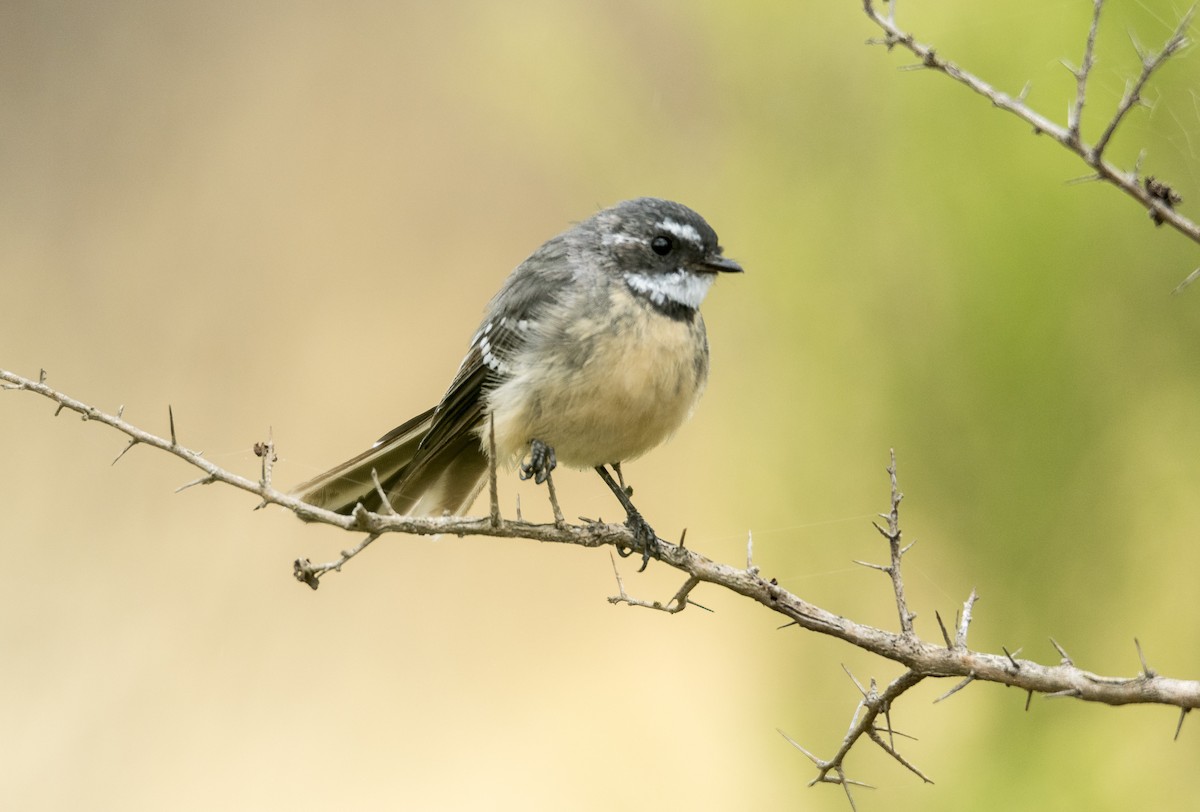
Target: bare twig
x,y
893,535
309,573
678,602
1075,117
1150,64
384,502
1161,209
493,488
863,723
559,521
964,623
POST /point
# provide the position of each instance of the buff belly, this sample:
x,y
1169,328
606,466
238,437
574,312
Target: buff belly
x,y
604,396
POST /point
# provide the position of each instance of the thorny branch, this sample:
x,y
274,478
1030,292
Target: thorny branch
x,y
920,659
1158,198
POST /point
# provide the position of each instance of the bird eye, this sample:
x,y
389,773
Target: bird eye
x,y
661,245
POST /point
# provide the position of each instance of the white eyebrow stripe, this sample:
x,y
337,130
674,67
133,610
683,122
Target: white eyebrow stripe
x,y
683,231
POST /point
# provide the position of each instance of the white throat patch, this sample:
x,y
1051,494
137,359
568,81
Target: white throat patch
x,y
678,287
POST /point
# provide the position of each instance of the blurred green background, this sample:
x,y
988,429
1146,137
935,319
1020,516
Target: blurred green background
x,y
288,217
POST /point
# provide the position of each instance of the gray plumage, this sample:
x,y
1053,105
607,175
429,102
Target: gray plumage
x,y
594,346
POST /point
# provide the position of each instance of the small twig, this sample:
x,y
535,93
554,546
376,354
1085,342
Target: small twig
x,y
893,536
964,624
678,602
385,503
1150,64
311,574
493,487
1075,116
872,704
559,521
266,452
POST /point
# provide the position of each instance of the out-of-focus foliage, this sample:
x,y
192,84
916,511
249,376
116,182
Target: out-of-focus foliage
x,y
291,215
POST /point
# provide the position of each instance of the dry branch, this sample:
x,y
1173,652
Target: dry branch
x,y
920,659
1158,198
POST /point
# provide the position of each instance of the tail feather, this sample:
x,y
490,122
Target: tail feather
x,y
416,483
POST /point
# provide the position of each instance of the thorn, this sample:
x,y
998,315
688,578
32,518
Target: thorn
x,y
750,551
966,681
134,441
786,625
1147,671
1073,692
682,538
1028,699
120,411
171,417
1016,666
891,751
204,480
857,684
1062,652
942,626
799,747
1183,712
1187,281
42,376
869,565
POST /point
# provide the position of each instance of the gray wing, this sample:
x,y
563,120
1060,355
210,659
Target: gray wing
x,y
529,290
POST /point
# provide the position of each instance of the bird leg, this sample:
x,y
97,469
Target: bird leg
x,y
641,529
616,466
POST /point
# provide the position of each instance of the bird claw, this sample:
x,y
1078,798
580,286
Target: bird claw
x,y
644,533
541,462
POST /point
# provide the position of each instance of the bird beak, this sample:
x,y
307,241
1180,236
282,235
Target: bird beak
x,y
715,263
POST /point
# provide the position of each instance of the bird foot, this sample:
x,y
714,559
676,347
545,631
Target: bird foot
x,y
541,462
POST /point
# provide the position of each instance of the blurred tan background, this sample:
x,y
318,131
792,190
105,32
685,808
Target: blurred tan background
x,y
288,217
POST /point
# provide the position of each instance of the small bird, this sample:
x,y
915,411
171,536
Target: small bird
x,y
592,353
